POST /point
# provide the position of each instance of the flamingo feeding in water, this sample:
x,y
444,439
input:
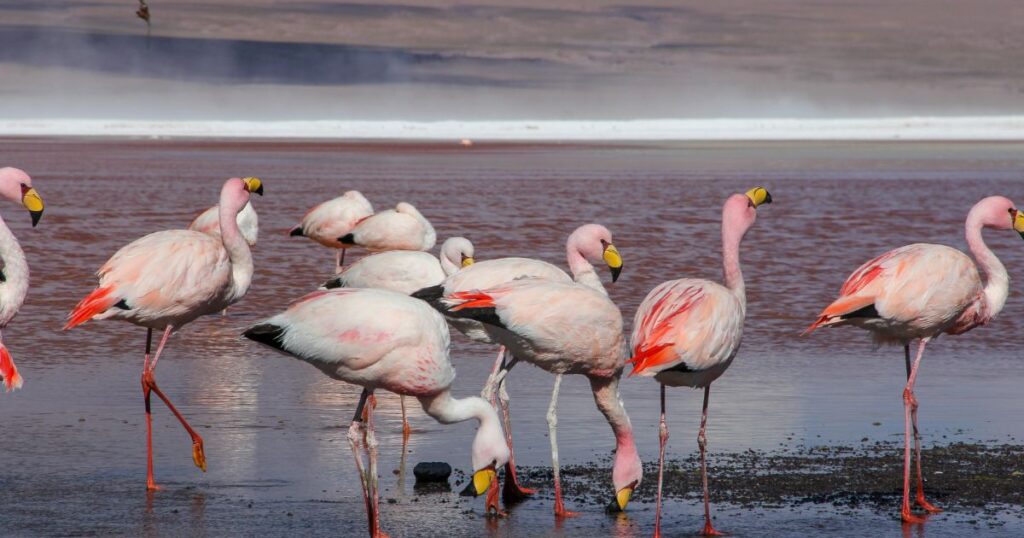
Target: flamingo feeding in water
x,y
588,243
16,186
918,292
166,279
401,228
380,339
405,271
686,332
564,328
208,222
326,222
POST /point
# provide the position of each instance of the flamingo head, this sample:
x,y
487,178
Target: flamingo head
x,y
594,243
740,210
490,452
458,251
627,472
992,212
235,192
16,186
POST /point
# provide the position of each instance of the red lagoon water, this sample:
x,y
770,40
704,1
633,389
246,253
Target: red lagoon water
x,y
73,443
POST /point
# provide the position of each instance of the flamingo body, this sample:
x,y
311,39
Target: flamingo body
x,y
401,228
406,271
208,222
326,222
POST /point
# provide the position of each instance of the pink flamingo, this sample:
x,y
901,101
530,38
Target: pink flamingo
x,y
401,228
919,292
326,222
16,186
687,332
588,243
208,222
564,328
380,339
166,279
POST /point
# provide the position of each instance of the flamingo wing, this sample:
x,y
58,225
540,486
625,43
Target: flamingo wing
x,y
403,271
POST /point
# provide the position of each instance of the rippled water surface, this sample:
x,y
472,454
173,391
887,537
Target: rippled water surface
x,y
73,445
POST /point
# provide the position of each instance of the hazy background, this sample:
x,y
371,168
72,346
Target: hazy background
x,y
484,59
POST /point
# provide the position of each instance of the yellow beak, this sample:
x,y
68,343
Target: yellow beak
x,y
254,184
34,204
1018,222
482,480
758,196
614,260
467,261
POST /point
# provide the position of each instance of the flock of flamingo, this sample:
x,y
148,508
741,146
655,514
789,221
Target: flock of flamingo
x,y
383,321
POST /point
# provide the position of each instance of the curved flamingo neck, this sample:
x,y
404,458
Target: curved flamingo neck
x,y
733,229
238,249
626,468
15,270
997,281
448,266
448,410
582,271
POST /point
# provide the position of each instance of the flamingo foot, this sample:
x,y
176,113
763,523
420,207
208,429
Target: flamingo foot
x,y
198,454
151,485
927,506
560,510
512,492
492,508
709,530
909,517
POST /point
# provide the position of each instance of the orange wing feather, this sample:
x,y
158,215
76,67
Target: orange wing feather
x,y
95,303
652,351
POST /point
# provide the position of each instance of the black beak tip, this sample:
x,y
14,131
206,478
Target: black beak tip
x,y
1021,235
613,507
767,197
615,273
468,491
259,190
36,215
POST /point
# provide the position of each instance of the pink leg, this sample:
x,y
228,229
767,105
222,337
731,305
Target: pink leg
x,y
908,402
149,382
356,435
560,510
662,441
371,445
702,442
513,491
150,481
921,501
406,430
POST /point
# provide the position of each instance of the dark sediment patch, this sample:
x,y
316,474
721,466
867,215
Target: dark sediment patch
x,y
970,479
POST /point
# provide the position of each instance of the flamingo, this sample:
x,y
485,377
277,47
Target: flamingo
x,y
686,332
405,271
208,222
401,228
920,291
587,243
381,339
325,222
564,328
166,279
15,185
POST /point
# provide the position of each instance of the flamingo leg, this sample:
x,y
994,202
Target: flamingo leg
x,y
499,364
356,435
921,501
662,441
371,446
406,430
339,260
150,481
149,382
513,491
909,402
560,510
702,442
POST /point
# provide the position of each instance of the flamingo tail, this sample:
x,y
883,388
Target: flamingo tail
x,y
95,303
9,372
834,312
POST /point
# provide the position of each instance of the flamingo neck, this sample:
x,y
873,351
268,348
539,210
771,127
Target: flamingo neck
x,y
15,271
997,281
448,410
582,271
732,233
626,470
447,265
235,244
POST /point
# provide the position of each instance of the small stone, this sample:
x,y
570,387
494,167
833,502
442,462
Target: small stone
x,y
432,471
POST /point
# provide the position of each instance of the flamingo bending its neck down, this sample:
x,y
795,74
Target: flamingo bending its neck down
x,y
564,328
16,186
919,292
166,279
686,332
326,222
208,222
401,228
380,339
405,271
588,243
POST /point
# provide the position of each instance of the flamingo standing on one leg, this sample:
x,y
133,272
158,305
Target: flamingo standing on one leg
x,y
401,228
564,328
588,243
208,222
686,332
16,186
380,339
326,222
919,292
167,279
405,271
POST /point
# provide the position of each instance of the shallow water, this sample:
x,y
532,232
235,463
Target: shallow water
x,y
74,449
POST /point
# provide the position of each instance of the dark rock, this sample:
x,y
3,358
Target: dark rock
x,y
432,471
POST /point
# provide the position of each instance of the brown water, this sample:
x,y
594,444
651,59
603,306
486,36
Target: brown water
x,y
73,447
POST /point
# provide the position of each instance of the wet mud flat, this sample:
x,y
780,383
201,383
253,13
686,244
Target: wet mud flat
x,y
975,483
